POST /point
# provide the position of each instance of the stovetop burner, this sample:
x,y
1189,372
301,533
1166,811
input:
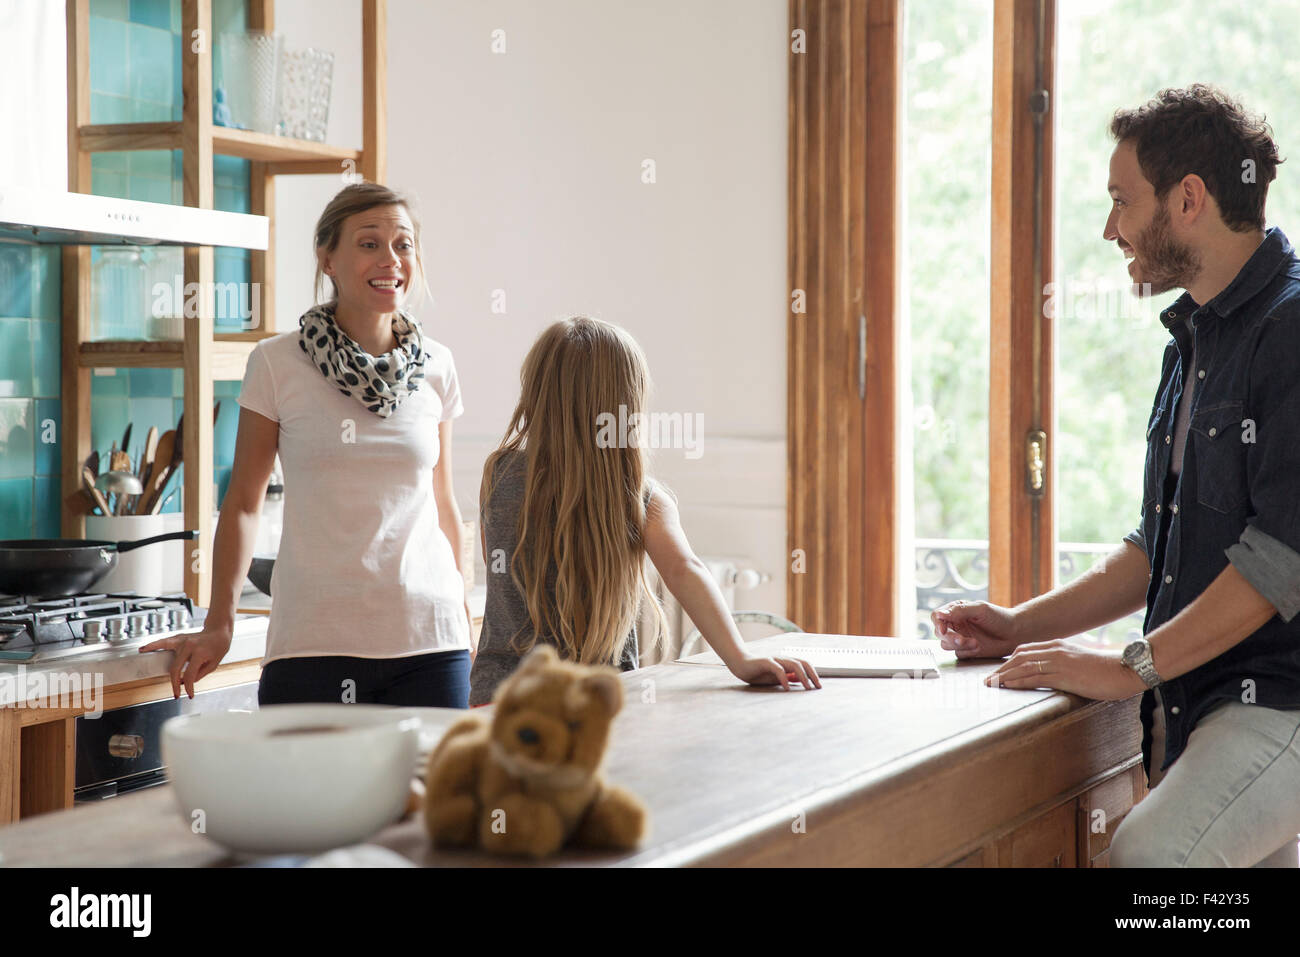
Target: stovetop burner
x,y
42,628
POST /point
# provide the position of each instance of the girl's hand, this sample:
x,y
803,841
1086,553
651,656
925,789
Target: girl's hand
x,y
773,671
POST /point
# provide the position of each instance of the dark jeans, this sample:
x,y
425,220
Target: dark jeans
x,y
436,680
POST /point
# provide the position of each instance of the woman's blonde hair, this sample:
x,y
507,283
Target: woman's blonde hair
x,y
350,200
582,521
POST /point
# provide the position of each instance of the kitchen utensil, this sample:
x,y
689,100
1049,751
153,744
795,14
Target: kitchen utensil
x,y
92,463
153,485
145,465
122,483
79,502
178,453
88,481
126,437
57,567
167,498
150,450
292,778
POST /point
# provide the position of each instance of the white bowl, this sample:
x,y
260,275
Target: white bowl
x,y
298,791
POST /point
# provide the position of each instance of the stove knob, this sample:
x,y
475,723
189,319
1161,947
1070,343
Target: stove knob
x,y
126,745
113,628
179,618
91,631
157,622
135,626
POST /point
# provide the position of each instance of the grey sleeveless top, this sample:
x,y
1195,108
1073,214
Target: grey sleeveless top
x,y
506,612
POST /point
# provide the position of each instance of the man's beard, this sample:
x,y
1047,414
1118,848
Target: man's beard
x,y
1165,263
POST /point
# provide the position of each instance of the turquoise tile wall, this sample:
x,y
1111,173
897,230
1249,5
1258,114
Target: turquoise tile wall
x,y
135,76
29,390
135,57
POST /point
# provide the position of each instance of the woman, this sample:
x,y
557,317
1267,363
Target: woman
x,y
369,600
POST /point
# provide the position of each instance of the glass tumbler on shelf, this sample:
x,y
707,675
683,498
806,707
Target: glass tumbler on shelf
x,y
306,79
250,64
119,309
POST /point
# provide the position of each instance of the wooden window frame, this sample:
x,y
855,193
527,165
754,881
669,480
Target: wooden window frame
x,y
843,515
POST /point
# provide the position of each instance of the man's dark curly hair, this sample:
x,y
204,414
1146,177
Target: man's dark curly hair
x,y
1204,131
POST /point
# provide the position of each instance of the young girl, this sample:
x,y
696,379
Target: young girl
x,y
568,517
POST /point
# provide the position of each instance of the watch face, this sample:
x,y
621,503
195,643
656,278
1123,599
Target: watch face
x,y
1133,652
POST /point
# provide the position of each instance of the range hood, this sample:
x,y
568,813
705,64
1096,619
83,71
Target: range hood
x,y
79,219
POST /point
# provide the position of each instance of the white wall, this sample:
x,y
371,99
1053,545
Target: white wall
x,y
34,106
527,168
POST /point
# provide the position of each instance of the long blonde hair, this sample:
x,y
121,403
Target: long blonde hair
x,y
583,514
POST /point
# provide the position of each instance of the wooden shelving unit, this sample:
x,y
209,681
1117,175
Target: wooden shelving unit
x,y
202,354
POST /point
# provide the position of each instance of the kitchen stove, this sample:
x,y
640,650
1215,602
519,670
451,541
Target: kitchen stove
x,y
118,750
41,629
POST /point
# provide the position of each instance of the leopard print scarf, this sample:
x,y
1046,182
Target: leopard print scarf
x,y
380,383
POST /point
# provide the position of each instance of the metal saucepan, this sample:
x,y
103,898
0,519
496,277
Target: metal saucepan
x,y
59,567
259,573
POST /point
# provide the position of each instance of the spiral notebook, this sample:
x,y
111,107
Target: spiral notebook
x,y
869,658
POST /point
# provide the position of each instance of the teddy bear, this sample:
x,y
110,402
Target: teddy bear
x,y
528,781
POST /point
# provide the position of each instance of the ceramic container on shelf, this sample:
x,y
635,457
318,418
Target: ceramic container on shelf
x,y
152,570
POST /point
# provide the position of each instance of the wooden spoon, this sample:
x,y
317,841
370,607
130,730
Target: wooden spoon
x,y
146,463
158,473
177,455
79,502
88,480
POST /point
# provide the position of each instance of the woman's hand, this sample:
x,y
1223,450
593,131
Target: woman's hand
x,y
773,671
1065,666
976,629
195,655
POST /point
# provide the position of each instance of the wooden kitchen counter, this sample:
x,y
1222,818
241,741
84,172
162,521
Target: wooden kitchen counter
x,y
862,772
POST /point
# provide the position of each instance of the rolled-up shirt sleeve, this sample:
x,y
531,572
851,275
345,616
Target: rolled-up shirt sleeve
x,y
1135,537
1271,567
1268,553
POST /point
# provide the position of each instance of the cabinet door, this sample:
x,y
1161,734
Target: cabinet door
x,y
1049,840
1101,810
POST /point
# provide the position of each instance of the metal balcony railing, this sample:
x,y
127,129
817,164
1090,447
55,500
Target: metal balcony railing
x,y
949,569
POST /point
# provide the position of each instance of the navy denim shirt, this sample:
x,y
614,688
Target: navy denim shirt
x,y
1237,498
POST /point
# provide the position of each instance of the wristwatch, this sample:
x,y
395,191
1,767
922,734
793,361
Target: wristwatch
x,y
1137,657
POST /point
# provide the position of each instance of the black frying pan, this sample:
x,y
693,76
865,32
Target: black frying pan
x,y
58,567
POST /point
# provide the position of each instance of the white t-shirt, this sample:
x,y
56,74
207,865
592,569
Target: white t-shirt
x,y
363,568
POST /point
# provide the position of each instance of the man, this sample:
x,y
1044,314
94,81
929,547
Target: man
x,y
1216,559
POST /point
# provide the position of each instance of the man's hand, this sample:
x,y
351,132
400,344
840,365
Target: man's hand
x,y
1064,666
976,629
